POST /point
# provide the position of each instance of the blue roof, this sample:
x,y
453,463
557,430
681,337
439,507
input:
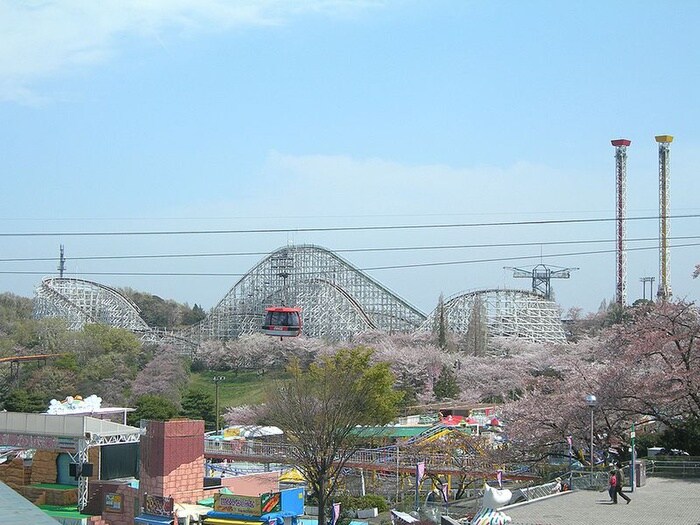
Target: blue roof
x,y
150,519
278,516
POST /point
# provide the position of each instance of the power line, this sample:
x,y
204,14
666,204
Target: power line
x,y
342,250
334,228
367,269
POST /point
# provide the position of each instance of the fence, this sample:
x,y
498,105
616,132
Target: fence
x,y
668,468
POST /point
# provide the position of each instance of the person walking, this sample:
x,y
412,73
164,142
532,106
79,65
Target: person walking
x,y
620,477
612,486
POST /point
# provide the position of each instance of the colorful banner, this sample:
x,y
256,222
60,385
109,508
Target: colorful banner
x,y
420,472
271,502
336,513
39,442
234,504
158,505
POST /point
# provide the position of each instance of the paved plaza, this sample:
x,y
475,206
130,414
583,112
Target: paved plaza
x,y
660,501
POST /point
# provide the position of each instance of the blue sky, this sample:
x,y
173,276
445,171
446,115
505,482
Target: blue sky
x,y
135,115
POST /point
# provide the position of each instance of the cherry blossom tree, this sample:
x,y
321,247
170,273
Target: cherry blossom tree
x,y
245,414
656,369
164,375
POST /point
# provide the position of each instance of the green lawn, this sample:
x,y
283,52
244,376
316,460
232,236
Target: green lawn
x,y
244,388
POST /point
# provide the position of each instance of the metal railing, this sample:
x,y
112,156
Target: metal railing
x,y
387,457
673,468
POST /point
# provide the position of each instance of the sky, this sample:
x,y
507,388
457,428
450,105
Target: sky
x,y
491,119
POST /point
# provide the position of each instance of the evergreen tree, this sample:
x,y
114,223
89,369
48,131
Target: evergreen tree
x,y
445,386
152,406
441,324
21,400
198,404
477,330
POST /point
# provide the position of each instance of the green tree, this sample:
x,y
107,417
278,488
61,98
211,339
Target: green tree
x,y
684,437
441,322
198,404
319,409
13,309
152,406
477,329
445,386
194,315
22,400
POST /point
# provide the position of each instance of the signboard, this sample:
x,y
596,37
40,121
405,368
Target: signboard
x,y
158,505
113,502
271,502
234,504
39,442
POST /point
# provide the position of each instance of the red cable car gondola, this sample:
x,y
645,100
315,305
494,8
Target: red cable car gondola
x,y
282,321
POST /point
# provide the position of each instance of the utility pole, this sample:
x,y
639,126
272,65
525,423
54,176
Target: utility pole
x,y
217,380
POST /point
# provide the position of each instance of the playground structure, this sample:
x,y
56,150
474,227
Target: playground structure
x,y
338,301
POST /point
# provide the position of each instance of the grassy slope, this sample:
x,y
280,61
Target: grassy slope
x,y
245,388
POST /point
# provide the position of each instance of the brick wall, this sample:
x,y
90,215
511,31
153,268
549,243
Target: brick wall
x,y
172,460
129,506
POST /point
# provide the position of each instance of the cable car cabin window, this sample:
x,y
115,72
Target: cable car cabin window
x,y
281,319
283,323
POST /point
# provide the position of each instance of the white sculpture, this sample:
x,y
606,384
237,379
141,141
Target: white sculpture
x,y
493,499
74,405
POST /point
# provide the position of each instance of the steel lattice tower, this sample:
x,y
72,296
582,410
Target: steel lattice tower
x,y
621,205
664,291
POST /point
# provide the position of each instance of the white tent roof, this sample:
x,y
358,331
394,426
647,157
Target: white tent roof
x,y
251,431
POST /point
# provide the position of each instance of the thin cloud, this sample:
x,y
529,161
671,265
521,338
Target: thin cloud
x,y
42,39
366,186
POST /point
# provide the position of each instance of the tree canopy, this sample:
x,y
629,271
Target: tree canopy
x,y
320,407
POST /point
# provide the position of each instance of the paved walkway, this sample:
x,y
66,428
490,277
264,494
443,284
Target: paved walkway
x,y
660,501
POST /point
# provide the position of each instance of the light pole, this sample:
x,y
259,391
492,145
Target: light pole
x,y
570,441
591,401
217,380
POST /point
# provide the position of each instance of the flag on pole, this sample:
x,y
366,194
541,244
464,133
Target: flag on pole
x,y
336,513
499,477
420,472
445,489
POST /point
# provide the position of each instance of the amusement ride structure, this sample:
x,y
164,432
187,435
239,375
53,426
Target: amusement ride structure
x,y
664,292
621,203
336,299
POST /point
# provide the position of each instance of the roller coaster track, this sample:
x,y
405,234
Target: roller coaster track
x,y
16,360
338,301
